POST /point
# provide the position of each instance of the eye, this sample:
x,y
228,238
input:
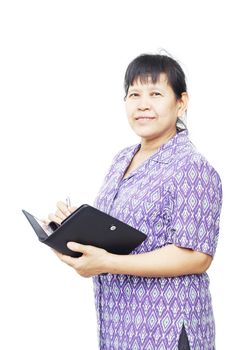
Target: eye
x,y
155,93
134,94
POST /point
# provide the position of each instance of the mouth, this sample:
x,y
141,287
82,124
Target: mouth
x,y
144,118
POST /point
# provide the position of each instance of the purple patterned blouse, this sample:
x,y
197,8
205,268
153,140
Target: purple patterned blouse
x,y
174,197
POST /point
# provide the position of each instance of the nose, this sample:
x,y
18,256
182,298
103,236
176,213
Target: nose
x,y
143,104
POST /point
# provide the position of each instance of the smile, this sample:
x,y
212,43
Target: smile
x,y
145,118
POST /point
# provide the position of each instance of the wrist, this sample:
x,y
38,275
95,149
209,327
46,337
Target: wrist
x,y
110,263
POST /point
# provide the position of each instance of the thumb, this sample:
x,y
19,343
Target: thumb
x,y
77,247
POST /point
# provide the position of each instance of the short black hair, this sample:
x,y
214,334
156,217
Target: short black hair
x,y
151,66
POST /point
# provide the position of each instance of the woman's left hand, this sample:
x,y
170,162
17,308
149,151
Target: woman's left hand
x,y
92,262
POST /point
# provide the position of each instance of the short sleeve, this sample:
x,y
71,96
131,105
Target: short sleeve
x,y
196,213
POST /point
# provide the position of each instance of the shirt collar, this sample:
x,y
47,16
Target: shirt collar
x,y
166,152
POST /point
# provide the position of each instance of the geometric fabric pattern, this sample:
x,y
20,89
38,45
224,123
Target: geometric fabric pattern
x,y
174,197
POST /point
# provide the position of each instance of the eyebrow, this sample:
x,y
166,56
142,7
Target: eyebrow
x,y
154,87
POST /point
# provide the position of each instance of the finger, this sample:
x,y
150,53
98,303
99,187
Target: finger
x,y
45,221
77,247
68,260
72,209
57,253
63,208
64,258
60,214
54,218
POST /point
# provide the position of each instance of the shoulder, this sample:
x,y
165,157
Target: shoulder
x,y
195,170
198,162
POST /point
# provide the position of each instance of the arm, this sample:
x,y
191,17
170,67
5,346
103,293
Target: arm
x,y
168,261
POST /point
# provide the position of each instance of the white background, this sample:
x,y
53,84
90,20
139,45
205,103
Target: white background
x,y
62,65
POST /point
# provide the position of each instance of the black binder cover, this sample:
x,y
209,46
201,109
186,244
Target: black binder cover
x,y
88,225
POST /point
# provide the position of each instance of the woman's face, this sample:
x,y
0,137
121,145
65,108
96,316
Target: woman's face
x,y
152,109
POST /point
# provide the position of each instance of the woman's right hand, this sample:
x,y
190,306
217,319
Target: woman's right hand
x,y
60,214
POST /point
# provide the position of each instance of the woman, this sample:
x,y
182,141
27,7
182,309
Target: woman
x,y
158,296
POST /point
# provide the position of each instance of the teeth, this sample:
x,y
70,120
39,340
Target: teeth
x,y
145,118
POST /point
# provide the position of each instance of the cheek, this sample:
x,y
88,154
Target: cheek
x,y
129,108
165,110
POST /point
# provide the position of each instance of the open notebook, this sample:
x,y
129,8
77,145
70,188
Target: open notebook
x,y
88,225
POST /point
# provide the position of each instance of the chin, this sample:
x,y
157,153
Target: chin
x,y
147,134
152,133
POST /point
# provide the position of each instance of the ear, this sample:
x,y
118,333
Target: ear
x,y
182,104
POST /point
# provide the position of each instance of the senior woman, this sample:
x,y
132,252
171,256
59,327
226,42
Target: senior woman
x,y
157,297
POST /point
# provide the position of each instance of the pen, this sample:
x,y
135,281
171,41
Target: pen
x,y
68,203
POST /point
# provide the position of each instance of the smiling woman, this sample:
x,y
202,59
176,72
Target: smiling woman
x,y
152,110
151,69
158,296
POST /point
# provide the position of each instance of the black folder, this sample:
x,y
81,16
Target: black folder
x,y
91,226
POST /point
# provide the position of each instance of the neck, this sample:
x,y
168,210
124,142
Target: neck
x,y
151,145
